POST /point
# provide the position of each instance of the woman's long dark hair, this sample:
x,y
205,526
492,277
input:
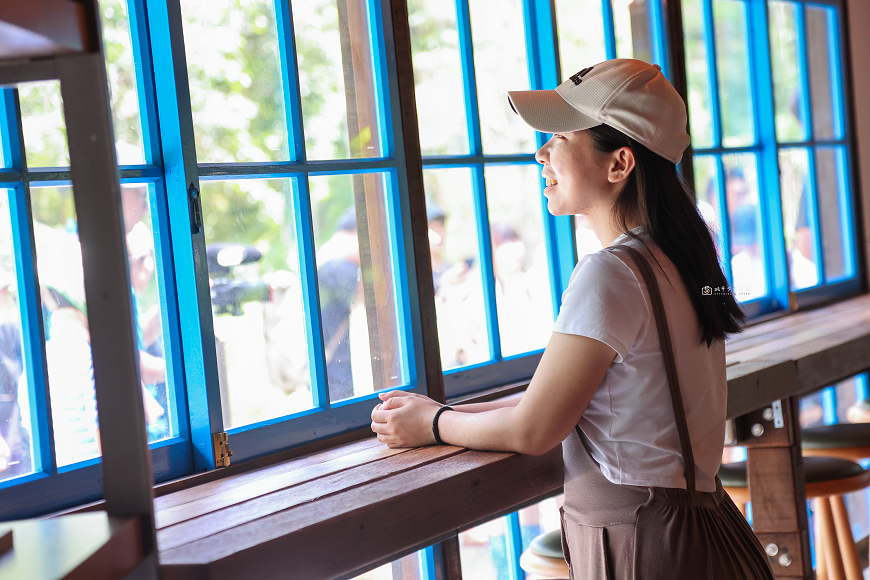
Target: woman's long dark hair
x,y
655,197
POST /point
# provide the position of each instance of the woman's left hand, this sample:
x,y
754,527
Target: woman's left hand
x,y
404,419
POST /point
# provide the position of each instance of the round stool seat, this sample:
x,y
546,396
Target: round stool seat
x,y
830,436
544,558
824,476
846,441
548,545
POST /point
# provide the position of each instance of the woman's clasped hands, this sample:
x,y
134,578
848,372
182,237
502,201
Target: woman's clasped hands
x,y
404,419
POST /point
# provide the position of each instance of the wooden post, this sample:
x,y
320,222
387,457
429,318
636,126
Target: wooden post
x,y
775,473
369,193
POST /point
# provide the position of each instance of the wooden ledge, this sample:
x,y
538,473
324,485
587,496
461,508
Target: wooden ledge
x,y
80,546
35,28
327,515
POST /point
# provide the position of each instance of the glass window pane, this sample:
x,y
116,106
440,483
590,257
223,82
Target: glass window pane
x,y
500,66
789,97
707,198
519,257
453,243
438,78
821,36
16,431
67,344
540,518
797,217
361,337
749,278
580,45
483,551
408,568
42,121
633,30
256,297
698,74
122,81
833,214
235,83
339,108
732,58
161,418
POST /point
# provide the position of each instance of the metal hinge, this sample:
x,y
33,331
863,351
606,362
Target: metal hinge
x,y
222,452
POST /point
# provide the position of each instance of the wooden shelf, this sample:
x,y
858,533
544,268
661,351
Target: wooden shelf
x,y
73,547
39,28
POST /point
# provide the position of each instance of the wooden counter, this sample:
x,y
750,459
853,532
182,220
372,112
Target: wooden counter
x,y
334,512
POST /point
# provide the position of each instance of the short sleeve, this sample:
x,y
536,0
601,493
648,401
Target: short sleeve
x,y
603,301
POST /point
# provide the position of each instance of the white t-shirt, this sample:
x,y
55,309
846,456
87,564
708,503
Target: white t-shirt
x,y
630,422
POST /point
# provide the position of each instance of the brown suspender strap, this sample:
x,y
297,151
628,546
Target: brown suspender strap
x,y
670,362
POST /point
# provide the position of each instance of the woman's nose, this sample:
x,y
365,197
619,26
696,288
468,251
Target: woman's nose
x,y
542,156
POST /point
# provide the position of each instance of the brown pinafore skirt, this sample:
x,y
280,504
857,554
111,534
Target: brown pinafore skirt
x,y
623,532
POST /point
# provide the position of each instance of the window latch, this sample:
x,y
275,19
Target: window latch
x,y
222,452
195,203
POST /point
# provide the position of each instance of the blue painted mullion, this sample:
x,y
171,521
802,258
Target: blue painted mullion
x,y
169,314
32,330
401,274
660,44
862,389
469,81
712,69
609,32
144,70
804,71
290,81
541,53
829,405
310,292
427,563
811,187
776,259
844,197
374,13
724,211
11,140
834,51
487,272
514,545
188,246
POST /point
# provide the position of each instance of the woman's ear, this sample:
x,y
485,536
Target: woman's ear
x,y
621,165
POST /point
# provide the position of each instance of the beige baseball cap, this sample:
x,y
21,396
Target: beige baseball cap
x,y
629,95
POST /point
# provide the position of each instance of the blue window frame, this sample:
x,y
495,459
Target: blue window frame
x,y
503,254
769,134
464,159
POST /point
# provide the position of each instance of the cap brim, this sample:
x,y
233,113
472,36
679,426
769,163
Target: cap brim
x,y
547,112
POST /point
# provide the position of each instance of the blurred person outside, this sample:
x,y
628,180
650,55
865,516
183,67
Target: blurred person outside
x,y
140,258
747,262
338,274
15,450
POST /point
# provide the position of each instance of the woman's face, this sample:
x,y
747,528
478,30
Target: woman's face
x,y
576,174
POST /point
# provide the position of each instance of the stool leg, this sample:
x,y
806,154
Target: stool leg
x,y
851,562
833,561
821,530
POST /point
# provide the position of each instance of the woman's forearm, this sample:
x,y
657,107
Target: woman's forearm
x,y
492,430
509,401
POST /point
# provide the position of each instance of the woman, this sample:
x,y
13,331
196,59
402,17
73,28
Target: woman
x,y
632,381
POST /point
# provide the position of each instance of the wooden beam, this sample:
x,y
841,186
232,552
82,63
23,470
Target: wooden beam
x,y
39,28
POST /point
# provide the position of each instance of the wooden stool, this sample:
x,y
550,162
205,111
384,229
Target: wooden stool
x,y
827,479
544,559
846,441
